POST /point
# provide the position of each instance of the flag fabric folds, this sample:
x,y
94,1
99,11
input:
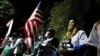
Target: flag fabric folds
x,y
31,26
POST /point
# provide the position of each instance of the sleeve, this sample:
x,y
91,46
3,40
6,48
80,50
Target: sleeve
x,y
82,38
17,42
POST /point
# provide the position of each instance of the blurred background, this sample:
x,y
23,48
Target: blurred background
x,y
58,12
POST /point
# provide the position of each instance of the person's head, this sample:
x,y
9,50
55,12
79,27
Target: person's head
x,y
71,24
50,33
14,34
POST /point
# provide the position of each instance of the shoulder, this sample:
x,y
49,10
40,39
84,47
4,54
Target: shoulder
x,y
19,39
81,31
55,38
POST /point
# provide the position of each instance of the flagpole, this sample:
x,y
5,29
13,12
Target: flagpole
x,y
31,29
9,24
37,7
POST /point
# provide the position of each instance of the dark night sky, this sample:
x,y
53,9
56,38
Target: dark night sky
x,y
24,9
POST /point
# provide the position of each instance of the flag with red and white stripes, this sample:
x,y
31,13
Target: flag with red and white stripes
x,y
31,25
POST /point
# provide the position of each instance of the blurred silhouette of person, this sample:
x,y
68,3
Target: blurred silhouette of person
x,y
49,45
94,41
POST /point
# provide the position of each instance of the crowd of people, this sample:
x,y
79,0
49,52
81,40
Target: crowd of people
x,y
14,46
74,43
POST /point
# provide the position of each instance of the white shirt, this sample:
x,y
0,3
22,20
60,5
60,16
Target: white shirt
x,y
79,39
16,45
45,42
94,38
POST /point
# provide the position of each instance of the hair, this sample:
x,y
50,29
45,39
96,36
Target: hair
x,y
52,31
75,22
97,23
14,34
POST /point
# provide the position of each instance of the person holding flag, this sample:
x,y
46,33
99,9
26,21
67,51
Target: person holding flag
x,y
31,26
33,21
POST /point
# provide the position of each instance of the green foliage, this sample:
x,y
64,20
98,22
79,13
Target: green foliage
x,y
6,10
64,10
59,16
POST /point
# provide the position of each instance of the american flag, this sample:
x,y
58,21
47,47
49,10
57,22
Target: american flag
x,y
31,25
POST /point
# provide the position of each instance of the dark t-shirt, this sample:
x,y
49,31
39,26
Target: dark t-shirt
x,y
55,42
